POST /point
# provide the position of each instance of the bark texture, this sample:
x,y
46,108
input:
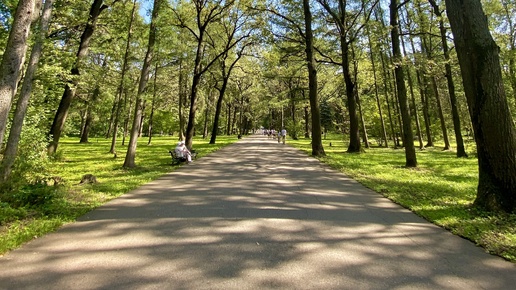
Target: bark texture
x,y
13,58
494,130
69,93
129,161
23,101
408,136
317,148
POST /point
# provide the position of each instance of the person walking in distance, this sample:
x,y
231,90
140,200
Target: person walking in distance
x,y
283,135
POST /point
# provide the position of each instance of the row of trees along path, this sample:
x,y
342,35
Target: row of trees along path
x,y
265,63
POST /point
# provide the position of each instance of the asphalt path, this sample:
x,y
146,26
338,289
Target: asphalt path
x,y
253,215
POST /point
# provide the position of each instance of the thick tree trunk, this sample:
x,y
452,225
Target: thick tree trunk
x,y
317,148
144,78
11,149
408,138
351,103
86,129
13,59
69,93
494,130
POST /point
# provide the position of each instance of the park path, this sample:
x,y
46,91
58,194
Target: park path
x,y
253,215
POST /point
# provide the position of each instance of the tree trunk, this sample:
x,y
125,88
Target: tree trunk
x,y
120,91
234,120
493,127
416,116
424,102
408,138
153,104
128,116
69,93
222,92
317,148
307,123
218,110
89,115
11,149
87,125
228,116
378,102
13,59
396,105
512,52
461,151
142,116
181,100
362,122
351,102
441,114
357,99
193,102
144,78
206,117
385,83
413,100
389,111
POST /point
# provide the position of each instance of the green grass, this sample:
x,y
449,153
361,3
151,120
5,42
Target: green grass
x,y
441,189
58,205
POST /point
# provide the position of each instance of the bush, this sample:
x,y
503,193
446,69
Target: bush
x,y
9,214
31,164
32,195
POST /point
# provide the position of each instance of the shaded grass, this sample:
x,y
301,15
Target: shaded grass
x,y
72,200
441,189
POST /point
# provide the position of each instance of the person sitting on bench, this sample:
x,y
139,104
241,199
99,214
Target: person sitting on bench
x,y
183,152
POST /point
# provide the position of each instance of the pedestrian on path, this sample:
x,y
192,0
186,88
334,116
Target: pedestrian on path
x,y
283,135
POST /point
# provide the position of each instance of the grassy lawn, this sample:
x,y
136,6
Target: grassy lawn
x,y
64,203
441,189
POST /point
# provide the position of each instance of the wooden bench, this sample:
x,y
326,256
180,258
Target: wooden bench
x,y
175,159
178,160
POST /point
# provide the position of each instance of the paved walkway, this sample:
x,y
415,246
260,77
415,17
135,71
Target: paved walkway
x,y
267,218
